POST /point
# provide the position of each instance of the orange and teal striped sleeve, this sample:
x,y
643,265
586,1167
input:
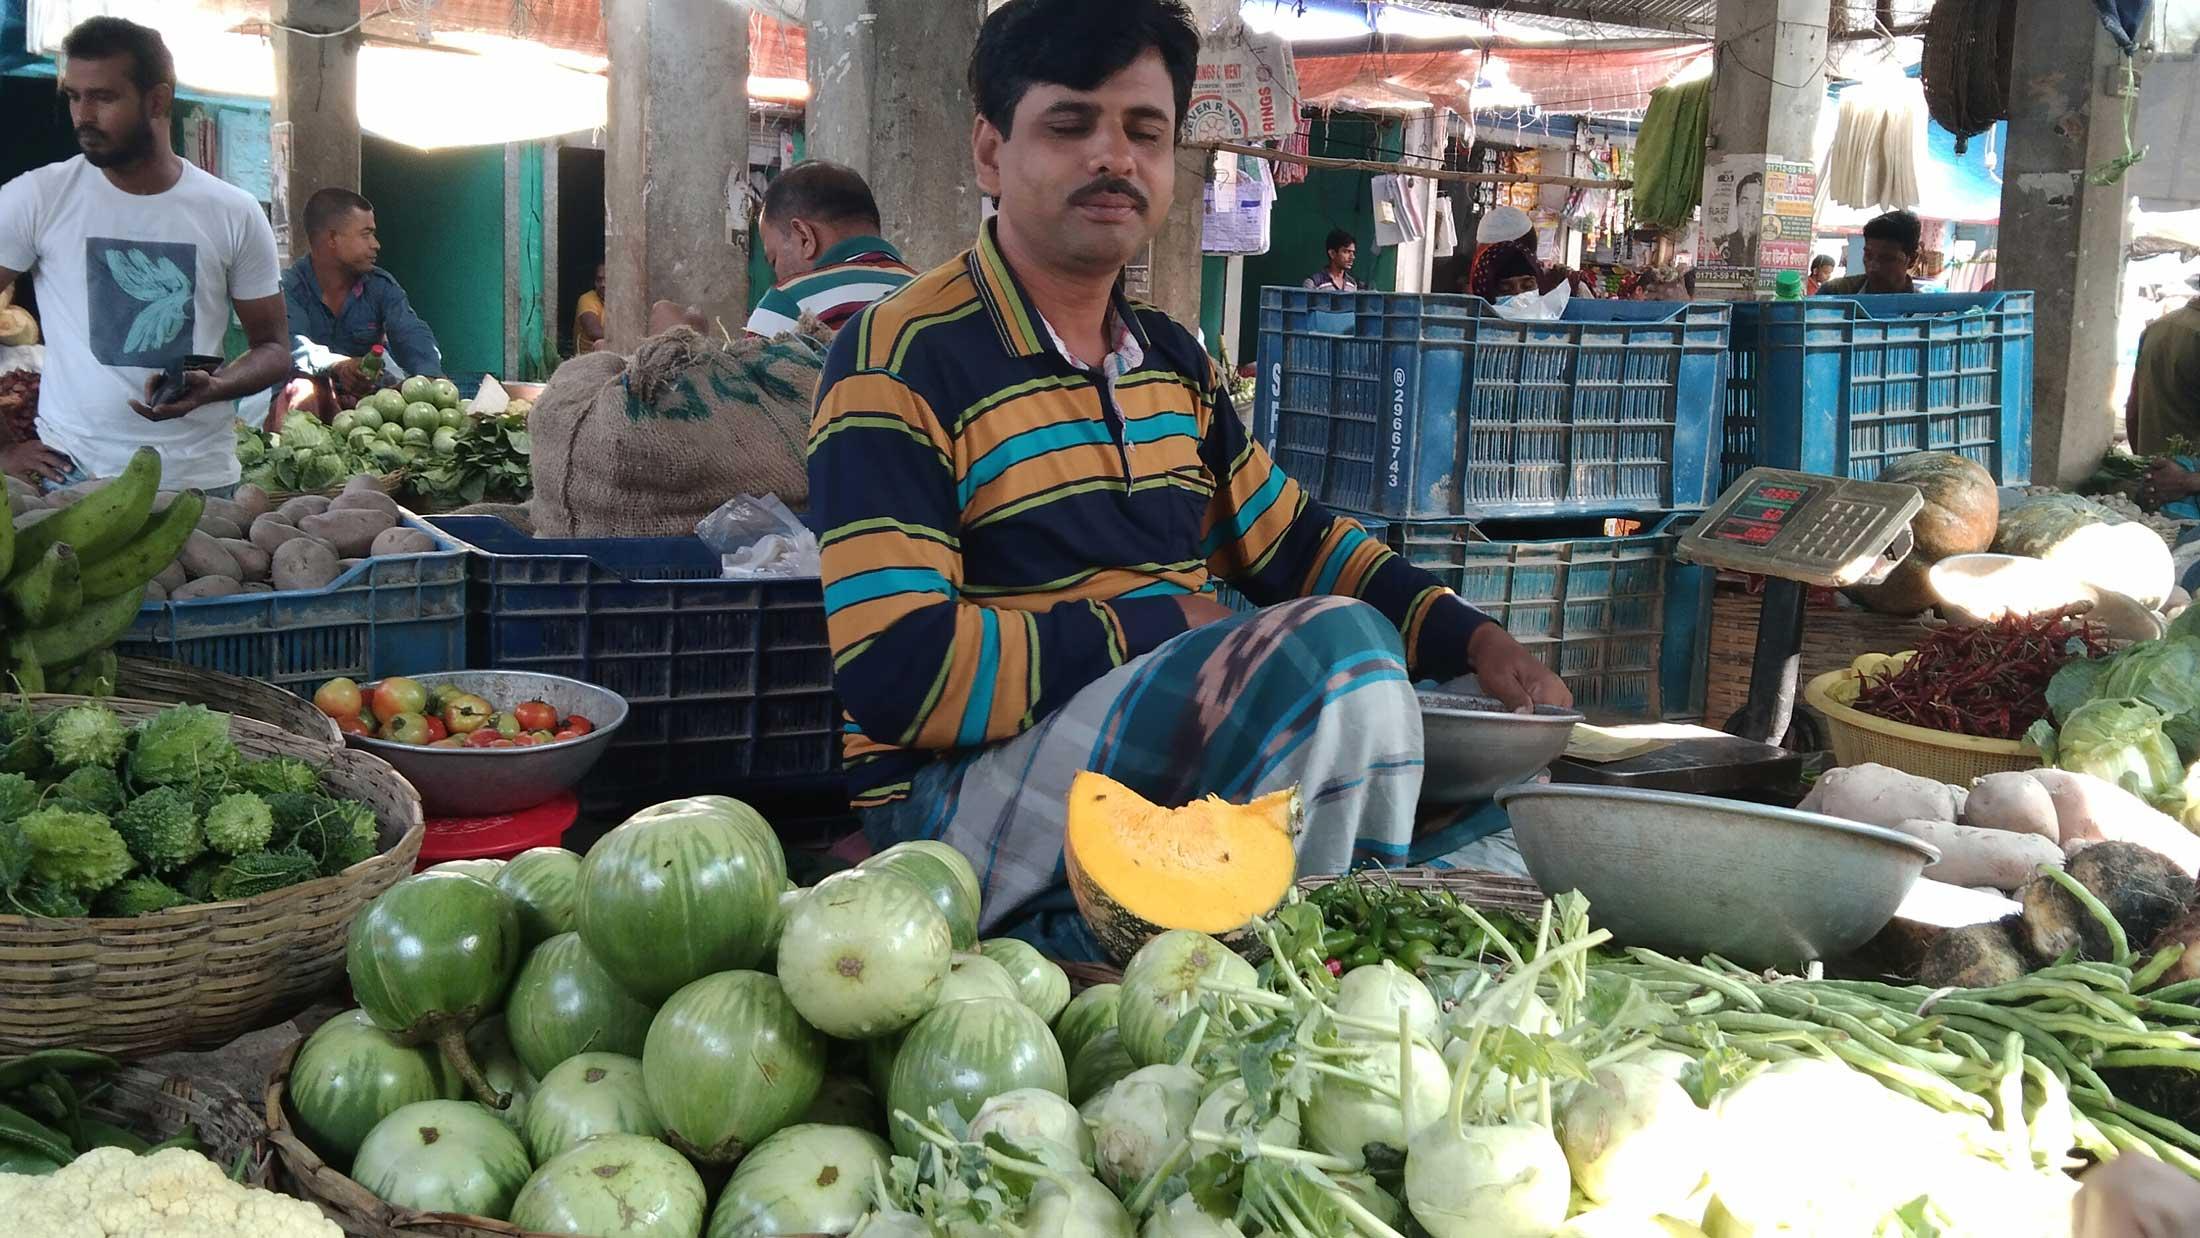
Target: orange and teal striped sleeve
x,y
917,663
1265,536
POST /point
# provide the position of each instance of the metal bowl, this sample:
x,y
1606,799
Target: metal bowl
x,y
484,782
1765,887
1472,745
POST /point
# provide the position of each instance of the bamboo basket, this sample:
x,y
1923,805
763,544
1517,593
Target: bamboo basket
x,y
1943,756
300,1171
156,679
156,1106
200,976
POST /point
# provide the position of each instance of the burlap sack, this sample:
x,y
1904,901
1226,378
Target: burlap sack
x,y
649,447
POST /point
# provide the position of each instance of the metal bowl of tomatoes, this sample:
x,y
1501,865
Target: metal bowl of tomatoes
x,y
477,777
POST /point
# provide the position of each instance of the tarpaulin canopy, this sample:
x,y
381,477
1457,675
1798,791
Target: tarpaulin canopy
x,y
1555,79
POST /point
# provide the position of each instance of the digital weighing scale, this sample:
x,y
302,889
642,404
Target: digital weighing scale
x,y
1797,530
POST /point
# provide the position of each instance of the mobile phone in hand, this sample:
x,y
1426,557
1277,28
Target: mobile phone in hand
x,y
172,385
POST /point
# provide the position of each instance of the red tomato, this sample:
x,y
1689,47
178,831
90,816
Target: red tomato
x,y
353,726
525,739
579,725
504,743
535,716
437,732
485,737
562,736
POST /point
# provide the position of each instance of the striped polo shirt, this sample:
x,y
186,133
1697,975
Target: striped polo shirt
x,y
1002,527
847,277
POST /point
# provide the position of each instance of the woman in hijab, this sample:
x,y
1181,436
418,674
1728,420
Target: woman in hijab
x,y
1505,270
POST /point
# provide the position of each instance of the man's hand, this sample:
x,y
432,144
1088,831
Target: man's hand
x,y
2135,1196
349,378
198,389
1510,673
2167,482
34,462
1201,610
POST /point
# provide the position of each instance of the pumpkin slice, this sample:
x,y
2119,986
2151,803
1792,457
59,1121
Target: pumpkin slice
x,y
1138,869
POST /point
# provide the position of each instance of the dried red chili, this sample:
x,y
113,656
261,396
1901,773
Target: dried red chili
x,y
1989,681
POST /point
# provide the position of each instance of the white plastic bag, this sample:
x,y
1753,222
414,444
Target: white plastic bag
x,y
758,538
1537,306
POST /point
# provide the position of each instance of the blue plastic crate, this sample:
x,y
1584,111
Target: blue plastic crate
x,y
729,683
1622,621
1843,385
393,615
1414,405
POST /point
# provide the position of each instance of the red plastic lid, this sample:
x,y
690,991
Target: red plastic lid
x,y
500,837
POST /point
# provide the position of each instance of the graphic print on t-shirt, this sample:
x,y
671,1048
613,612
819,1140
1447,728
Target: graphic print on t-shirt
x,y
141,299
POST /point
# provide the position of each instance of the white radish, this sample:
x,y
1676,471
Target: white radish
x,y
2013,801
1976,857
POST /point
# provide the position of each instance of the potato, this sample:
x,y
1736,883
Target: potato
x,y
155,592
229,511
304,505
268,533
348,564
256,586
172,577
2012,801
1976,956
252,499
364,483
401,541
207,587
303,563
351,532
1970,856
253,560
366,501
204,556
220,528
33,516
1878,795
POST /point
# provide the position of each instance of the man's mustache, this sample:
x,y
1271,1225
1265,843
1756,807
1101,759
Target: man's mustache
x,y
1115,186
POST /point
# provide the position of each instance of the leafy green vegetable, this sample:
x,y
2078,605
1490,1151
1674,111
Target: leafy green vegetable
x,y
2073,686
489,461
2163,673
2120,741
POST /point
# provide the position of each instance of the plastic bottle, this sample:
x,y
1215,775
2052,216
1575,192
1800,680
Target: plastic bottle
x,y
371,364
1788,287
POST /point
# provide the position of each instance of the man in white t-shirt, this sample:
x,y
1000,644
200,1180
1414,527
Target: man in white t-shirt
x,y
139,259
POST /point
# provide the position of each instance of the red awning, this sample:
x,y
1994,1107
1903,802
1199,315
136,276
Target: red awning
x,y
1556,79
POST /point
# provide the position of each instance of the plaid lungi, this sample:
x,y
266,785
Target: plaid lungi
x,y
1312,693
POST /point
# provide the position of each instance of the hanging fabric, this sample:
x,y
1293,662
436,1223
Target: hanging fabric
x,y
1669,154
1878,144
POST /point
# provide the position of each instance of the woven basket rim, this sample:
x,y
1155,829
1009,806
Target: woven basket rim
x,y
1818,693
188,1095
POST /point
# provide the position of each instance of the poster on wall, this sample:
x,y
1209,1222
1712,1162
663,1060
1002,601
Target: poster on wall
x,y
1757,220
1791,199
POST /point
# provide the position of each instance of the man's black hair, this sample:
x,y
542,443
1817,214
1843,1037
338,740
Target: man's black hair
x,y
331,206
1339,238
1822,260
1900,227
821,192
101,38
1078,44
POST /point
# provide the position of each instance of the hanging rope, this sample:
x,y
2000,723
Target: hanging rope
x,y
1966,65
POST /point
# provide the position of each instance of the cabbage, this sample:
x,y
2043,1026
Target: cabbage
x,y
2163,673
302,431
2120,742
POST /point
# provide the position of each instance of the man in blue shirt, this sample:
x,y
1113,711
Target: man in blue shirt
x,y
341,304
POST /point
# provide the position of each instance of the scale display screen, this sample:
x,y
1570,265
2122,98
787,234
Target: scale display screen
x,y
1759,516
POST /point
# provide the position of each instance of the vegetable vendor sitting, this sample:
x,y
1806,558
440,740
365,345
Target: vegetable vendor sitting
x,y
1028,487
342,305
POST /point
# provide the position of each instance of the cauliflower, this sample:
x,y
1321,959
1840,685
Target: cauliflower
x,y
173,1193
139,896
162,828
88,734
239,823
79,850
277,775
92,788
18,795
182,745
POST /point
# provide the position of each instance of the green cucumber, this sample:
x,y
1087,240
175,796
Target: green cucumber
x,y
143,556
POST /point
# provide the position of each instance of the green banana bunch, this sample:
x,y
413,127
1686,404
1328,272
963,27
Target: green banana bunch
x,y
71,583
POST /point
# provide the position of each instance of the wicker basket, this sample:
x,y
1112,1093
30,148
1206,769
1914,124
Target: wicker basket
x,y
156,679
156,1106
300,1171
202,975
1943,756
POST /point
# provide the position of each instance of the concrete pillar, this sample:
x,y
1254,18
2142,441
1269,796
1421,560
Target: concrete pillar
x,y
2061,236
889,97
677,159
1175,268
1771,78
316,111
1424,142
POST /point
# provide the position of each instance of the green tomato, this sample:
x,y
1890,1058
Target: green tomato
x,y
445,393
452,419
422,416
418,388
388,402
392,431
367,418
344,423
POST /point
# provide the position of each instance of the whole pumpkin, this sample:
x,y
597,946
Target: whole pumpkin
x,y
1962,509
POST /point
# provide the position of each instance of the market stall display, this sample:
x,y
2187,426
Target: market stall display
x,y
234,854
479,743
